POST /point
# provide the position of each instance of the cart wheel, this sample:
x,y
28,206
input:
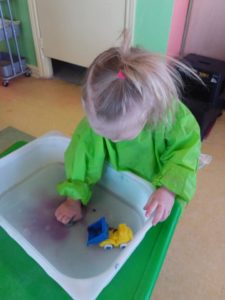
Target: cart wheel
x,y
5,83
27,73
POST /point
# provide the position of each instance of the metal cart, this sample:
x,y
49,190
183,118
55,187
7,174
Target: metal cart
x,y
11,64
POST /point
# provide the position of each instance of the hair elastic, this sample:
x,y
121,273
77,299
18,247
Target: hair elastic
x,y
120,75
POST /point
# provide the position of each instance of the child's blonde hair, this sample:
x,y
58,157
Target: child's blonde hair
x,y
125,77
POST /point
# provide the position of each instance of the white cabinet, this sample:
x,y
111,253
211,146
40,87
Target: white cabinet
x,y
76,31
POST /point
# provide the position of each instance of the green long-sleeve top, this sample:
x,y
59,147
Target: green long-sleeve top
x,y
166,156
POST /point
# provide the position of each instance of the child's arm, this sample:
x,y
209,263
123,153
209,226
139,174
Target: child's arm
x,y
84,161
179,164
179,159
161,201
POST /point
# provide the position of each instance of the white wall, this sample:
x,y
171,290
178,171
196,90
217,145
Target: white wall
x,y
206,32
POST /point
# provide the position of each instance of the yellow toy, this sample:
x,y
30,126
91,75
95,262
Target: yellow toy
x,y
118,237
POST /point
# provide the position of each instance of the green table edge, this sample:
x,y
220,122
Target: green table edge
x,y
12,148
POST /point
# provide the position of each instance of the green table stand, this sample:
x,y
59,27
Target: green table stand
x,y
21,278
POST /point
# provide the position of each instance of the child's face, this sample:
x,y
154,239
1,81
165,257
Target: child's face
x,y
116,134
127,128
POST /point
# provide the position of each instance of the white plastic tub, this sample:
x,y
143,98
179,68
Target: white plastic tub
x,y
28,199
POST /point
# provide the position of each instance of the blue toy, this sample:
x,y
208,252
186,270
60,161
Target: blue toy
x,y
97,232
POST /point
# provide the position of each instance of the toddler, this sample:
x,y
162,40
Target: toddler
x,y
136,123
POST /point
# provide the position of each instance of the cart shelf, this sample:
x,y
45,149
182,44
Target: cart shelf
x,y
8,28
11,62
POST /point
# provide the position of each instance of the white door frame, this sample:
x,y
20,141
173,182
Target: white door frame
x,y
44,62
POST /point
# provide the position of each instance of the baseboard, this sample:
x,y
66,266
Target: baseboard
x,y
34,71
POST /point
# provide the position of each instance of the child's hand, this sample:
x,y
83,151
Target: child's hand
x,y
161,201
69,210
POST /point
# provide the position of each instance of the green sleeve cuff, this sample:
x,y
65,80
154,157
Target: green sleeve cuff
x,y
76,189
178,180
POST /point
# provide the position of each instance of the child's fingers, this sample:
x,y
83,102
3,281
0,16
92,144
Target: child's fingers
x,y
58,216
158,215
165,215
65,219
150,207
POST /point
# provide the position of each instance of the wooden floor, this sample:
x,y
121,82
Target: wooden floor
x,y
195,265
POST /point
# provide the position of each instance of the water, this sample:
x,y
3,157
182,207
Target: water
x,y
29,208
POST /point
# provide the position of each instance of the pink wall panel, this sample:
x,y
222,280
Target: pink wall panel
x,y
177,27
206,32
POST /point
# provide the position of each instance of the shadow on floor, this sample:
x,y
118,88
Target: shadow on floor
x,y
68,72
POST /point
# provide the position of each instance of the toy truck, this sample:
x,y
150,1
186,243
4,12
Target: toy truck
x,y
107,238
